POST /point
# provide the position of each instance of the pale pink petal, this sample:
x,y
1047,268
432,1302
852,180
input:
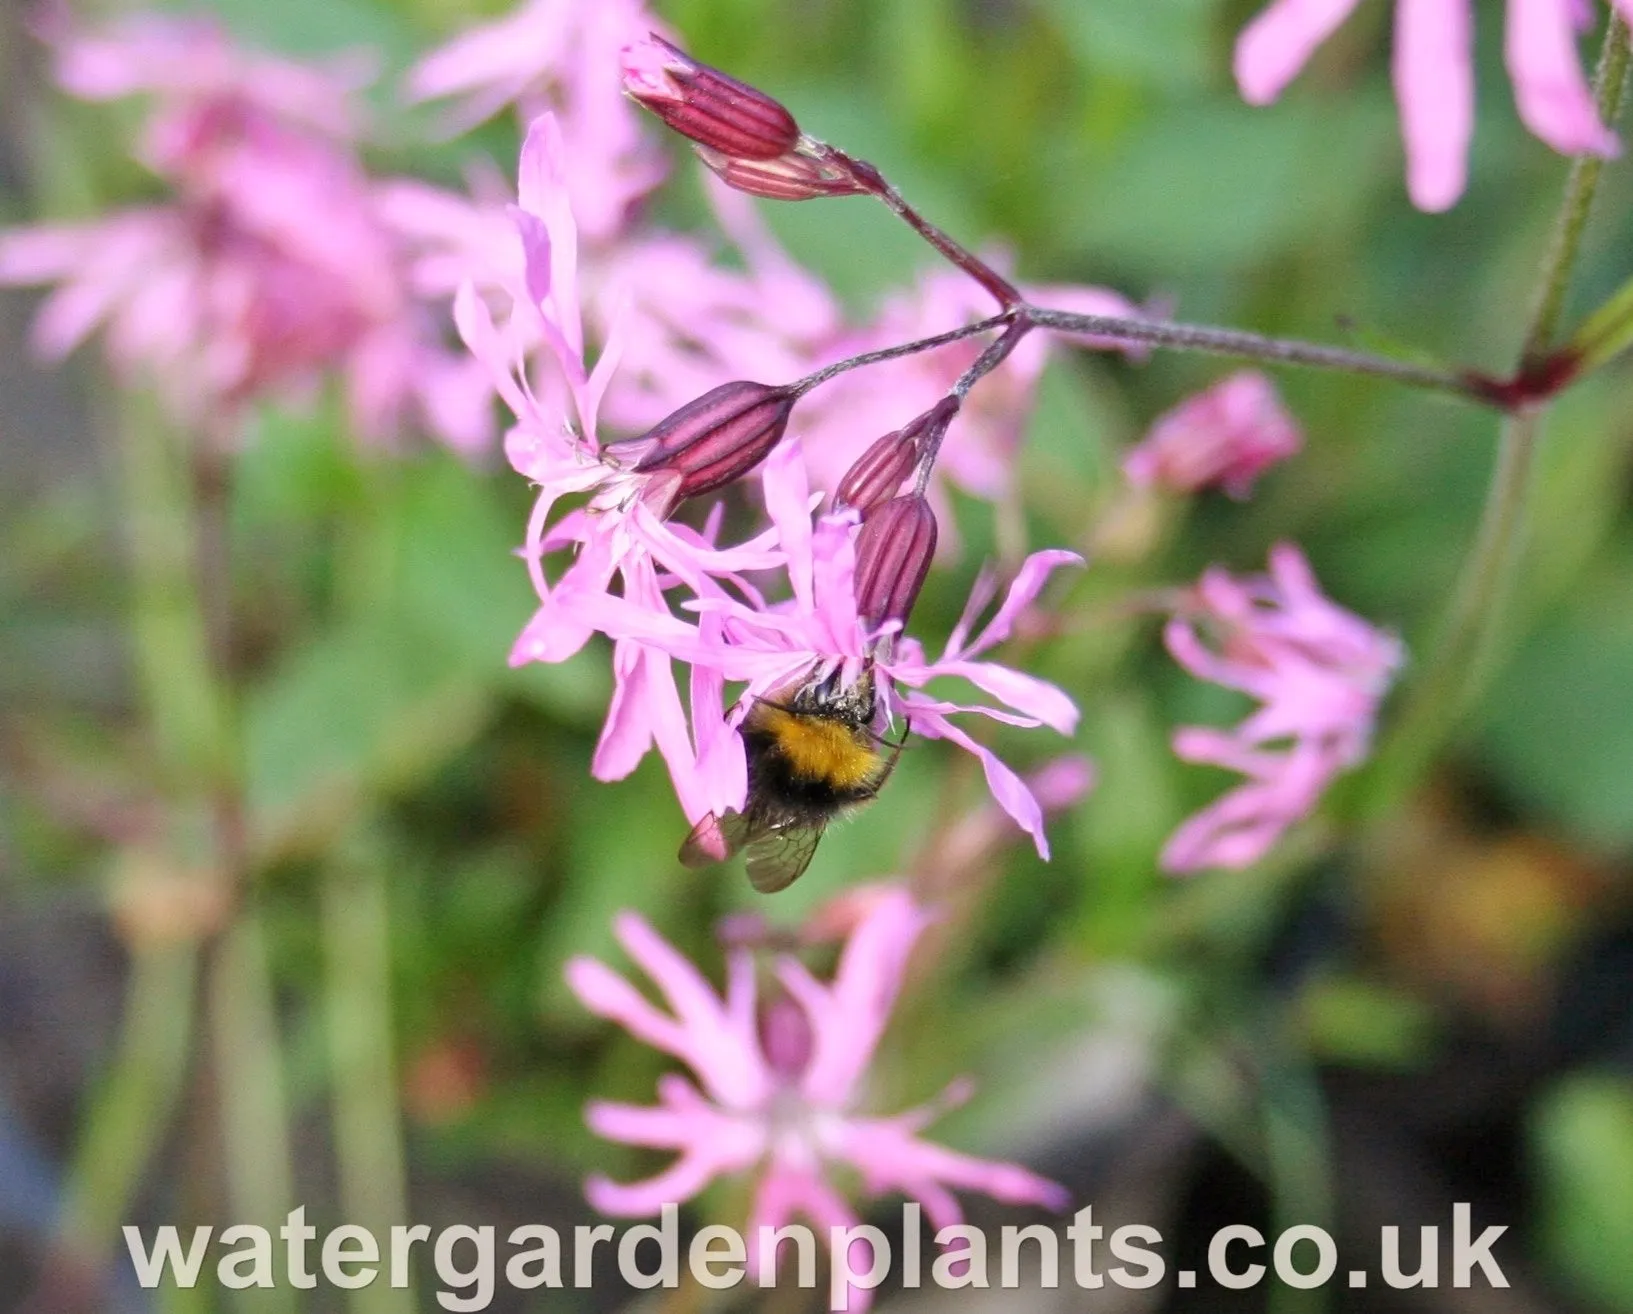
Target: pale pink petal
x,y
1550,90
1008,790
890,1157
1280,40
864,991
606,994
724,1056
1434,86
1028,583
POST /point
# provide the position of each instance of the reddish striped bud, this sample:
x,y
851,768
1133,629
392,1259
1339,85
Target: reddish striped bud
x,y
717,437
876,476
706,105
797,175
893,553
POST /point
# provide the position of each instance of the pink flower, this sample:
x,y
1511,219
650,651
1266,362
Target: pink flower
x,y
738,634
1434,77
559,56
1227,435
1318,671
689,323
269,264
778,1084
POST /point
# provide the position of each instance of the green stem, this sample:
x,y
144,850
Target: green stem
x,y
1461,656
184,717
357,988
1298,1162
250,1086
247,1048
128,1117
1610,81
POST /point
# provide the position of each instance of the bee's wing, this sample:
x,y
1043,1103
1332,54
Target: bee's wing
x,y
778,857
714,839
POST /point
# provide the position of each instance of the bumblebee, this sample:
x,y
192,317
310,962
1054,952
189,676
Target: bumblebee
x,y
813,755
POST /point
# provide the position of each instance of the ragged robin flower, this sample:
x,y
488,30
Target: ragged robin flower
x,y
1319,673
777,1084
267,265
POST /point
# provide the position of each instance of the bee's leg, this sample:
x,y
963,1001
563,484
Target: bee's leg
x,y
895,754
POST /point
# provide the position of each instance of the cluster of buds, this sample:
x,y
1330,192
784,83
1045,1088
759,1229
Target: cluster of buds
x,y
717,438
898,537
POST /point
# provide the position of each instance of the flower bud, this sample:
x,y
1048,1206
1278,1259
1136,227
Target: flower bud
x,y
797,175
706,105
717,437
893,553
877,474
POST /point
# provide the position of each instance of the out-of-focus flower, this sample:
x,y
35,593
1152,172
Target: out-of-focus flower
x,y
1318,671
778,1083
1434,77
269,264
560,57
1226,436
735,633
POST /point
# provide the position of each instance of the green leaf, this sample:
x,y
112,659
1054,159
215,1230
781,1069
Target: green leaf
x,y
354,714
1582,1144
1553,728
1607,332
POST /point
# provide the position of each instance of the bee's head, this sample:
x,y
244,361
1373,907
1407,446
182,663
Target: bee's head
x,y
829,695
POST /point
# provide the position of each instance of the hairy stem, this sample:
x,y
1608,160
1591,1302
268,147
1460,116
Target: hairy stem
x,y
818,377
1610,81
1460,658
1273,351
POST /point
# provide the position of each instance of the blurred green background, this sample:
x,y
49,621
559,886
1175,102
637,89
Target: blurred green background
x,y
1426,997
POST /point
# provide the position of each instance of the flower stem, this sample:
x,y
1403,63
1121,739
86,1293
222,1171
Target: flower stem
x,y
128,1117
1467,385
818,377
1460,658
1609,81
357,989
878,185
250,1085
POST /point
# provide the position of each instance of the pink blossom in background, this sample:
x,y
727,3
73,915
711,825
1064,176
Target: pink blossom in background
x,y
733,632
561,57
1319,673
194,71
1434,76
690,321
777,1083
267,266
1225,436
